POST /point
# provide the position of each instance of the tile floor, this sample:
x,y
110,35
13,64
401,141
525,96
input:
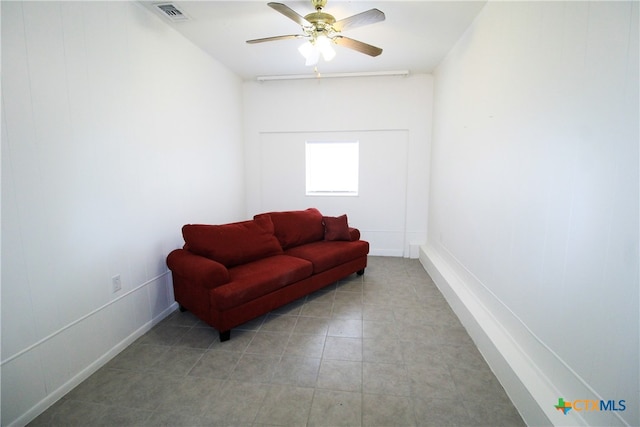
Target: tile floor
x,y
383,349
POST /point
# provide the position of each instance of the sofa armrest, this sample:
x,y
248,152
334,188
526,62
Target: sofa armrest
x,y
354,233
197,269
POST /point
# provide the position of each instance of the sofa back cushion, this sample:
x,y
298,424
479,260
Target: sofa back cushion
x,y
233,244
295,228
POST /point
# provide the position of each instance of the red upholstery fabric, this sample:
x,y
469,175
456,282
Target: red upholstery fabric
x,y
329,254
231,273
354,233
294,228
193,297
199,270
233,244
227,319
250,281
336,228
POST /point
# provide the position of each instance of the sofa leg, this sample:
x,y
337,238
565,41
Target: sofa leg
x,y
181,308
225,336
360,272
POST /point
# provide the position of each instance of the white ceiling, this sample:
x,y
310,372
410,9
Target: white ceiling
x,y
415,36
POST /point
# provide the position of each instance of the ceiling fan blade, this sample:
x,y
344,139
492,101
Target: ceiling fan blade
x,y
365,48
271,39
289,13
365,18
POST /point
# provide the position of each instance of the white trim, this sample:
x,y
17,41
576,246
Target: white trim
x,y
531,392
77,379
532,374
386,252
75,322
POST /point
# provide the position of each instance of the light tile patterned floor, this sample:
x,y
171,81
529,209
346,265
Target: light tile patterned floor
x,y
383,349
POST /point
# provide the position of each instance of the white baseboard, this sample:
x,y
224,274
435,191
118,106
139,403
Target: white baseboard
x,y
520,361
386,252
61,391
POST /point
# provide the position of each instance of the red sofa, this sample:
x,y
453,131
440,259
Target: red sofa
x,y
231,273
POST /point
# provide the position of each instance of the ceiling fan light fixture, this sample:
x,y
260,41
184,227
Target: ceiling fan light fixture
x,y
322,30
313,48
324,46
310,52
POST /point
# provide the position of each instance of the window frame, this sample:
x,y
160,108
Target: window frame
x,y
333,187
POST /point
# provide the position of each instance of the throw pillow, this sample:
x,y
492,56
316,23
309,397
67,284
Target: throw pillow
x,y
336,228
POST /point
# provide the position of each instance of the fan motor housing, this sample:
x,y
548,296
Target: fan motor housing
x,y
320,19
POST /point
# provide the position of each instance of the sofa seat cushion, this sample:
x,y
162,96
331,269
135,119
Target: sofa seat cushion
x,y
233,244
258,278
328,254
294,228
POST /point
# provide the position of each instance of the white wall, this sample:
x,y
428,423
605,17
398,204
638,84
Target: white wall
x,y
382,187
390,113
534,204
115,132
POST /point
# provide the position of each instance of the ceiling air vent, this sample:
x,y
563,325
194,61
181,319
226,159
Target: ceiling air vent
x,y
172,12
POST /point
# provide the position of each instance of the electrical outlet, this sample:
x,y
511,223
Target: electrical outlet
x,y
117,283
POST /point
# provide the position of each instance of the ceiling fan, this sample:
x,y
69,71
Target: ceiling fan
x,y
321,30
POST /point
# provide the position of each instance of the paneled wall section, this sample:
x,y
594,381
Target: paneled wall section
x,y
533,219
116,131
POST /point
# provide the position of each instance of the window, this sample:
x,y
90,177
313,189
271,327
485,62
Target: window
x,y
332,168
